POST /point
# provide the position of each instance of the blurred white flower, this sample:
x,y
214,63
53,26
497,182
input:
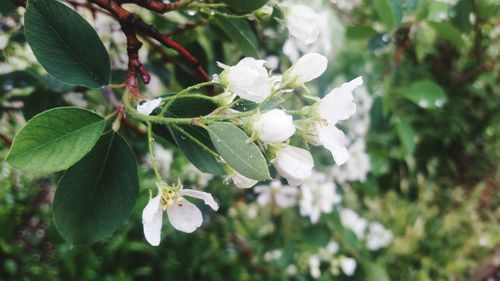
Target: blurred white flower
x,y
346,5
354,222
272,62
284,196
193,174
164,159
248,79
293,163
274,126
348,265
241,181
318,195
358,166
314,263
273,255
146,107
291,270
378,237
302,23
305,69
182,214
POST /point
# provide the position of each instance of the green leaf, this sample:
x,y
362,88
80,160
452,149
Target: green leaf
x,y
357,32
426,94
96,195
240,32
449,32
238,151
245,6
386,12
55,139
6,7
65,44
406,135
192,107
374,272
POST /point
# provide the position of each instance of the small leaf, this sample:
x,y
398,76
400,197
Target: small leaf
x,y
426,93
360,32
245,6
238,151
386,12
96,195
406,135
55,139
449,32
240,32
65,44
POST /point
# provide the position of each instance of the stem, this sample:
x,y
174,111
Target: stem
x,y
195,140
151,152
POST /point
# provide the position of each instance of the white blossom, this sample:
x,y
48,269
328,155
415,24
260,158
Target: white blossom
x,y
248,79
146,107
273,255
302,23
378,237
241,181
318,196
293,163
305,69
284,196
314,264
354,222
193,174
348,265
182,214
274,126
358,166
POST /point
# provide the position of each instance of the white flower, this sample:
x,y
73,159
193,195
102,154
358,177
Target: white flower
x,y
317,196
182,214
305,69
348,265
302,23
314,263
274,126
334,140
194,175
248,79
241,181
354,222
293,163
358,166
378,237
273,255
284,196
146,107
338,105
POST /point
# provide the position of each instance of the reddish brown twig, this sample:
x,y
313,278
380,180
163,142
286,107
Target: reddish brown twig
x,y
134,64
6,140
156,6
133,22
19,3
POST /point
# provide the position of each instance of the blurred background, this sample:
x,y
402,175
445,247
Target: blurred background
x,y
418,200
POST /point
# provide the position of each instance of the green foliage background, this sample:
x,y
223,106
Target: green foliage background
x,y
433,143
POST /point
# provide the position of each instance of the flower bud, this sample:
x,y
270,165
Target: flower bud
x,y
302,23
146,107
274,126
293,163
248,79
305,69
241,181
264,12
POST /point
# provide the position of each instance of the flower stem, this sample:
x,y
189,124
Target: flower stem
x,y
184,92
151,152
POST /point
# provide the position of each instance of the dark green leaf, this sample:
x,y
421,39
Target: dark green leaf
x,y
97,194
386,13
238,151
426,93
449,32
55,139
241,34
66,45
360,32
245,6
406,135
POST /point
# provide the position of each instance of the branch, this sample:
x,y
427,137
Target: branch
x,y
6,140
134,64
156,6
133,22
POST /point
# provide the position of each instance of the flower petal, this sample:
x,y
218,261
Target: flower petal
x,y
333,139
146,107
205,196
186,217
152,220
